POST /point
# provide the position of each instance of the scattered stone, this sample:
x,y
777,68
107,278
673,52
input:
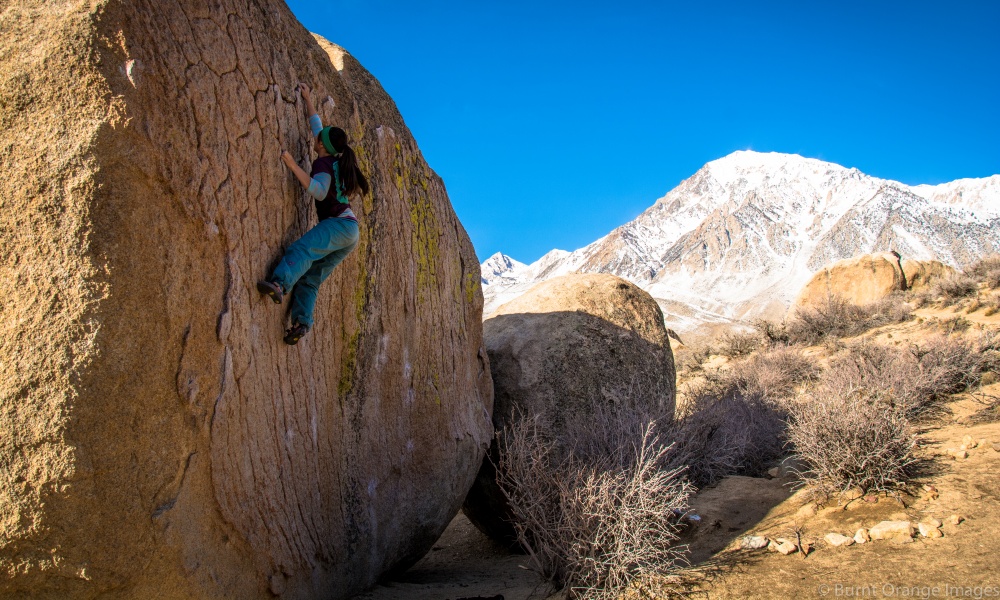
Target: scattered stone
x,y
955,519
861,536
961,455
807,510
754,542
787,547
892,530
774,472
982,443
934,522
772,546
968,442
805,549
929,531
930,492
996,446
836,539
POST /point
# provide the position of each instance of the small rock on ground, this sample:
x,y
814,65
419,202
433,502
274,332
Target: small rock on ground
x,y
892,530
861,536
754,542
929,531
836,539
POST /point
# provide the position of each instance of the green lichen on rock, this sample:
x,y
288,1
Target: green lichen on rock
x,y
425,240
471,285
361,290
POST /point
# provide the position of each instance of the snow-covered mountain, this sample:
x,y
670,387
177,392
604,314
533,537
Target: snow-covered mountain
x,y
742,236
500,269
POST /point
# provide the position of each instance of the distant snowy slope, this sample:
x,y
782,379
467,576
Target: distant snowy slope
x,y
500,269
741,236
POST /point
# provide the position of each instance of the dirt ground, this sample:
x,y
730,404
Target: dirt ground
x,y
464,563
964,563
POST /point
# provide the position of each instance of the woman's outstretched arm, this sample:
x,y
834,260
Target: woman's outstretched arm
x,y
319,186
315,123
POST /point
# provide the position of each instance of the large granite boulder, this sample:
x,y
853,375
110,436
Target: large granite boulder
x,y
921,274
568,345
157,438
869,278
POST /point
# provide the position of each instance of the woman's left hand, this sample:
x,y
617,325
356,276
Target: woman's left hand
x,y
287,158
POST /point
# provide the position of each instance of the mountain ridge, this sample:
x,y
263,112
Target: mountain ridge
x,y
738,238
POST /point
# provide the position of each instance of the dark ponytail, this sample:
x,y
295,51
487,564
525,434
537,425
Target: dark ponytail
x,y
351,176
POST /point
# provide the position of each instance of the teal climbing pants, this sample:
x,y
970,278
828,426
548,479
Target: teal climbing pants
x,y
310,260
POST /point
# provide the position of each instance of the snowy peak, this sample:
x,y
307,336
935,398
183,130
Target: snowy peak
x,y
739,238
500,268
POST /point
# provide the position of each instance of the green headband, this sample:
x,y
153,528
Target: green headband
x,y
324,137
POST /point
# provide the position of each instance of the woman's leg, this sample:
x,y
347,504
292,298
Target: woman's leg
x,y
314,245
344,236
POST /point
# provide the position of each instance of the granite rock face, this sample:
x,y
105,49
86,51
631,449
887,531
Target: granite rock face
x,y
157,438
566,346
869,278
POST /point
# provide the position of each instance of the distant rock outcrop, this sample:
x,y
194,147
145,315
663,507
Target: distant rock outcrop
x,y
566,346
922,273
869,278
157,438
859,280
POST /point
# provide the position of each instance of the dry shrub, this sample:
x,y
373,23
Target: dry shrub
x,y
734,422
853,438
773,373
691,360
955,287
724,431
992,306
596,514
920,377
774,333
839,318
736,344
920,297
986,270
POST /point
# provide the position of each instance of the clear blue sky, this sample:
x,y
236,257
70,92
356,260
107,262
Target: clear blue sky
x,y
551,123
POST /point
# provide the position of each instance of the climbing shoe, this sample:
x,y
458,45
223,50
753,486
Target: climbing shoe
x,y
293,335
272,289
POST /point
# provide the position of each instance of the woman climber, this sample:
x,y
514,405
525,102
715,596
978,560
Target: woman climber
x,y
309,260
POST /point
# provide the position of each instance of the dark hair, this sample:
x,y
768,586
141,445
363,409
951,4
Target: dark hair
x,y
350,173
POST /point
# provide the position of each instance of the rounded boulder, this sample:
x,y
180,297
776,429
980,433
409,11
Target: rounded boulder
x,y
566,347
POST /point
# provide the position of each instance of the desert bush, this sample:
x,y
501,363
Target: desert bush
x,y
992,304
691,360
853,438
772,332
593,515
773,373
986,270
920,298
955,287
919,377
736,344
723,431
839,318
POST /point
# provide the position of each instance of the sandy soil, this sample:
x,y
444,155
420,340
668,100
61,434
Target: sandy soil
x,y
464,563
